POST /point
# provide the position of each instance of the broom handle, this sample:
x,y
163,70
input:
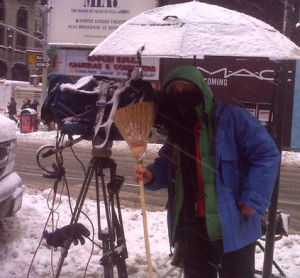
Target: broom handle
x,y
141,183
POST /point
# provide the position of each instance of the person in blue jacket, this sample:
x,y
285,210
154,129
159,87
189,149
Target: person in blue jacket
x,y
219,165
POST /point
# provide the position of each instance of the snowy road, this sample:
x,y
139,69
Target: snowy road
x,y
27,167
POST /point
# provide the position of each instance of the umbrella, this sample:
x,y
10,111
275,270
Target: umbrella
x,y
197,29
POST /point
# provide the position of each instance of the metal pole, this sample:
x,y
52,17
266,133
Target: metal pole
x,y
289,20
45,54
278,130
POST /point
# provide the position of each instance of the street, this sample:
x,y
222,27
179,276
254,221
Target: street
x,y
31,174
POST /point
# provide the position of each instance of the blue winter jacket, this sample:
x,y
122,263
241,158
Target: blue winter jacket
x,y
246,161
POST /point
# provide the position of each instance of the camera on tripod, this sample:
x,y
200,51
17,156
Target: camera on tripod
x,y
86,108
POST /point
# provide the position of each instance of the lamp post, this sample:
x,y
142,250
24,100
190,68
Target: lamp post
x,y
277,133
45,49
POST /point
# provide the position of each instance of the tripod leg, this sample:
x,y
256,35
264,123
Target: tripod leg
x,y
114,247
103,235
171,270
121,255
121,264
83,192
274,263
113,189
76,213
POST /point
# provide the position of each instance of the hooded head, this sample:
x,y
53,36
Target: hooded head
x,y
193,75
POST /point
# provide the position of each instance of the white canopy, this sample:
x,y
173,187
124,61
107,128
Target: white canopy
x,y
195,28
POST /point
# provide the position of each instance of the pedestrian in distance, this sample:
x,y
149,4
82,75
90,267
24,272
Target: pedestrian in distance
x,y
26,103
34,105
12,109
219,165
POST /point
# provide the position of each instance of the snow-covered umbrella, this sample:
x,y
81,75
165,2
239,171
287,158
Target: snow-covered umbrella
x,y
197,29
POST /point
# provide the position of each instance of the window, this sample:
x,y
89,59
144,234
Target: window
x,y
22,22
3,69
2,35
38,27
2,11
22,18
20,72
21,42
2,19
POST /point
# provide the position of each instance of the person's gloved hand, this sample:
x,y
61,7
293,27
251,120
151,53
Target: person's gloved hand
x,y
73,232
138,89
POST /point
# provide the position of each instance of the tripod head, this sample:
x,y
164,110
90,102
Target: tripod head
x,y
104,151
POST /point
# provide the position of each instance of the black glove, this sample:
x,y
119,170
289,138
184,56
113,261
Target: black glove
x,y
138,88
72,232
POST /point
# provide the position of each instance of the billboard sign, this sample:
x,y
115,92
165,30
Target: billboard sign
x,y
245,82
88,22
79,63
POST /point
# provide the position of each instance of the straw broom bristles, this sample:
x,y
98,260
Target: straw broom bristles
x,y
134,123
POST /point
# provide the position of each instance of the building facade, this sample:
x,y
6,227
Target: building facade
x,y
18,18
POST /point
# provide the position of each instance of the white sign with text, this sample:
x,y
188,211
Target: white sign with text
x,y
88,22
78,63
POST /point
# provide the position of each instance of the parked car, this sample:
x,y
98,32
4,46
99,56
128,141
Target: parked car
x,y
11,192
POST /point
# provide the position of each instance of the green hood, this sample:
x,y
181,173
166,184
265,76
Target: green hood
x,y
193,75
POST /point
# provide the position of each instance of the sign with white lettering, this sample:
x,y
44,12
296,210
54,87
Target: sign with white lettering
x,y
78,63
245,82
88,22
33,57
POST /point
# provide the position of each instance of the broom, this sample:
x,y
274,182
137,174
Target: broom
x,y
134,123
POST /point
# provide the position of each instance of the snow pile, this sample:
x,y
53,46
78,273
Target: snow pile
x,y
20,236
9,127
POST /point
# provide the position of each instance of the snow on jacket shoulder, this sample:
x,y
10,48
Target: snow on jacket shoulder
x,y
246,161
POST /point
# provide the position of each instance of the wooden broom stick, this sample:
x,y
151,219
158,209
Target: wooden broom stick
x,y
145,225
134,123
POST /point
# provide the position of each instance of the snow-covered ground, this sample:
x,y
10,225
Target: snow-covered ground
x,y
20,235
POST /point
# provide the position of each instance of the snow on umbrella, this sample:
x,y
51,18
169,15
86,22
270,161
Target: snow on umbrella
x,y
195,28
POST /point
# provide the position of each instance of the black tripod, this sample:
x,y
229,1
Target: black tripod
x,y
112,237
